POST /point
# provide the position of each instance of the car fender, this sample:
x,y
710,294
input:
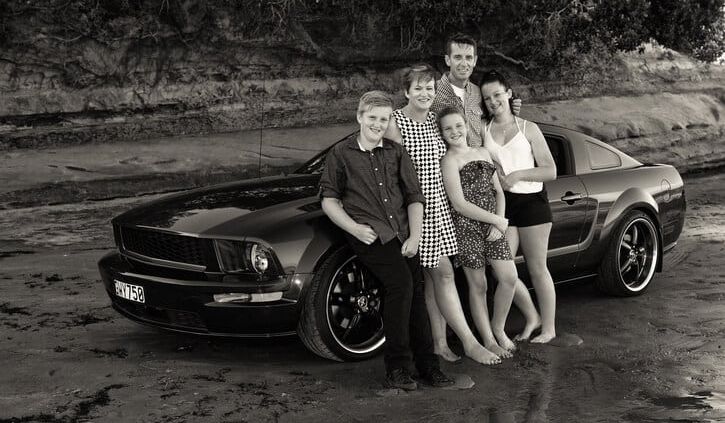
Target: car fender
x,y
632,199
327,238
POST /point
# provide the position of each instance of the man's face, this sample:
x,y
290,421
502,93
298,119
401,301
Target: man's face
x,y
461,61
374,122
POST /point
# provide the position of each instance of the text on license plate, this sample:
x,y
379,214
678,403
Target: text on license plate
x,y
130,292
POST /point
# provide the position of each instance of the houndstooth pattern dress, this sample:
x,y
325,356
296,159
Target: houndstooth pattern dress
x,y
426,148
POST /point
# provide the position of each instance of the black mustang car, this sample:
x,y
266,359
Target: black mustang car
x,y
259,258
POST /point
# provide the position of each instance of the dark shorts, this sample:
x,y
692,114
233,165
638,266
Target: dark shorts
x,y
527,209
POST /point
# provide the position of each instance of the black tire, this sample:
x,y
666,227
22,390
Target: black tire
x,y
341,315
630,262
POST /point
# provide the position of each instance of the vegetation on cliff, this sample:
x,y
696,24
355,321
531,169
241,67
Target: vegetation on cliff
x,y
542,36
82,71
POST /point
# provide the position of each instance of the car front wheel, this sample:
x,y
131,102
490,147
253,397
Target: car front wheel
x,y
631,258
342,312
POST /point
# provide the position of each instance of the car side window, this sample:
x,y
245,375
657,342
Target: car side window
x,y
559,148
602,158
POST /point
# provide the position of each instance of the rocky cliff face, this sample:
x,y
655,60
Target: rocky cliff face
x,y
94,92
664,108
56,92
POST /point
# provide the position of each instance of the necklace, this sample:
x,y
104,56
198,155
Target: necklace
x,y
505,126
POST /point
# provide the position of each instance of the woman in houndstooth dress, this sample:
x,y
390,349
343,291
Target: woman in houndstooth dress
x,y
415,127
425,147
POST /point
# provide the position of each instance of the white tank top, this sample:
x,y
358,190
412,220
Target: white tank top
x,y
512,156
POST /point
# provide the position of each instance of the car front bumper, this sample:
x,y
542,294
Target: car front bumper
x,y
188,306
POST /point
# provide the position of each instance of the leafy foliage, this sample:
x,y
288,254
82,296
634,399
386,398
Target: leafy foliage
x,y
544,35
691,26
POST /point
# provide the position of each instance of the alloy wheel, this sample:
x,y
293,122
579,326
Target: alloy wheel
x,y
637,254
354,308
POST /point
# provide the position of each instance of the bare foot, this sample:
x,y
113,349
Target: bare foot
x,y
504,341
483,356
501,352
543,338
445,353
528,330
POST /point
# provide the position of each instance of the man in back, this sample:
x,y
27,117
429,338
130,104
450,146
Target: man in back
x,y
455,89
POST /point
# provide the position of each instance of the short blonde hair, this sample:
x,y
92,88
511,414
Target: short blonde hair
x,y
373,99
419,72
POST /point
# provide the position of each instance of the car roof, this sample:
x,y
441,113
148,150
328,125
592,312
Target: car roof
x,y
577,138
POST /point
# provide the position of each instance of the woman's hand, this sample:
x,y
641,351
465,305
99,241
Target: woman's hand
x,y
508,181
410,247
494,234
502,225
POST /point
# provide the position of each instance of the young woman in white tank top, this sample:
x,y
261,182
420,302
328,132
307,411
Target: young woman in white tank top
x,y
525,162
515,154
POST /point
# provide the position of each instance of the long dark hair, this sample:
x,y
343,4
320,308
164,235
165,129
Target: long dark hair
x,y
487,78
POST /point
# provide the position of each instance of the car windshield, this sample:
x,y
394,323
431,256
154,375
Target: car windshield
x,y
315,164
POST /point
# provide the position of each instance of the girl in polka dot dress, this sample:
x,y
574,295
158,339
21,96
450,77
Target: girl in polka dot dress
x,y
478,206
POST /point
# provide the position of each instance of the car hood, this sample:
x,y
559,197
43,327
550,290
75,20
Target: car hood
x,y
224,209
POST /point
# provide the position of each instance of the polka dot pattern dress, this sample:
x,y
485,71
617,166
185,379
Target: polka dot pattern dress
x,y
426,148
474,250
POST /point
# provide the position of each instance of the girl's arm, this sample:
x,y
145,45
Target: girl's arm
x,y
452,183
500,209
545,169
500,197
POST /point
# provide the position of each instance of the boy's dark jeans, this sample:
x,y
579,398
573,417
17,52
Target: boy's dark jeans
x,y
405,318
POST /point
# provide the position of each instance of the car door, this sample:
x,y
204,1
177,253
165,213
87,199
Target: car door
x,y
567,199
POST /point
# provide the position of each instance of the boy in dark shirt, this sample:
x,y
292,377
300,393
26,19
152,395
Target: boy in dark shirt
x,y
369,188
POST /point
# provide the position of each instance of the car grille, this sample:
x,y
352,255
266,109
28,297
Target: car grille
x,y
163,246
177,318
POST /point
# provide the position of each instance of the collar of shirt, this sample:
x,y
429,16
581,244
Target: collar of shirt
x,y
355,144
449,84
460,92
379,144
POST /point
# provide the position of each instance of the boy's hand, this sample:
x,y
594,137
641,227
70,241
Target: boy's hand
x,y
409,248
494,234
516,106
365,234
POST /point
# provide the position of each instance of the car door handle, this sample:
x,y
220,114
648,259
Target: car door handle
x,y
570,197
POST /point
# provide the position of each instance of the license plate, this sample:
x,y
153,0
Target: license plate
x,y
130,292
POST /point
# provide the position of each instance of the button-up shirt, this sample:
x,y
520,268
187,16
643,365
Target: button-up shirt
x,y
375,186
445,97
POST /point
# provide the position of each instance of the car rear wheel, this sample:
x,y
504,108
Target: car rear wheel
x,y
342,312
631,258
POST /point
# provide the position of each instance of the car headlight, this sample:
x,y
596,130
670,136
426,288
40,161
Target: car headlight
x,y
245,257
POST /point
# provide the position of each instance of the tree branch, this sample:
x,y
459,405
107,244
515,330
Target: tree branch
x,y
506,58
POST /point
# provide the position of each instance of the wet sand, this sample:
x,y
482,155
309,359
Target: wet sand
x,y
67,356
